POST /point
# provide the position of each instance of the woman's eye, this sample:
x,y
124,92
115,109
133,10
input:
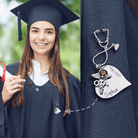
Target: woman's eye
x,y
35,31
49,32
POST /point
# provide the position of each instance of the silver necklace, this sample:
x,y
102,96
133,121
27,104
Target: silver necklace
x,y
110,80
56,109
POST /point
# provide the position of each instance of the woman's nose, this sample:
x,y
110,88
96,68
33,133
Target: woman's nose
x,y
42,36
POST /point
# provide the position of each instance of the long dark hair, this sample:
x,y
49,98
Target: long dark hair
x,y
56,71
133,5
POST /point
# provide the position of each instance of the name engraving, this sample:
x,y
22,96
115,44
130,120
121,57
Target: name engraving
x,y
111,93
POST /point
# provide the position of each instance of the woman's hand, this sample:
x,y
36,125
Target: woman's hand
x,y
10,87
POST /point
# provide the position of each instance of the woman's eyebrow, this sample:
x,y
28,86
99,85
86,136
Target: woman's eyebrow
x,y
34,28
49,29
45,29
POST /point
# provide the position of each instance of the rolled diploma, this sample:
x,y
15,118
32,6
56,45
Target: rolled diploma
x,y
7,75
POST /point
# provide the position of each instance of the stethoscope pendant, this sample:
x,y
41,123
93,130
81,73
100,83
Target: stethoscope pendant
x,y
56,110
110,82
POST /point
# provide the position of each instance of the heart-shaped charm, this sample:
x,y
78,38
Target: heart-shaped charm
x,y
110,82
116,46
57,110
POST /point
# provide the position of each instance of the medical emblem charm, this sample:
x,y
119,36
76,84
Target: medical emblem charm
x,y
56,110
110,80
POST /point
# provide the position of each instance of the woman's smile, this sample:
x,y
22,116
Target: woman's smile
x,y
42,44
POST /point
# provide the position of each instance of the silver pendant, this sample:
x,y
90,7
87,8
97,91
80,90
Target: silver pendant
x,y
56,110
110,82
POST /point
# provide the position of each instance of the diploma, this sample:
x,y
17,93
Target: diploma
x,y
7,74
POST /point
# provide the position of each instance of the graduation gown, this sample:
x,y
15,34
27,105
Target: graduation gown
x,y
116,117
35,118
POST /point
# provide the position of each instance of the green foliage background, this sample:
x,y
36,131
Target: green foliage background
x,y
11,49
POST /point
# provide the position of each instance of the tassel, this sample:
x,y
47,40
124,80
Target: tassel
x,y
19,26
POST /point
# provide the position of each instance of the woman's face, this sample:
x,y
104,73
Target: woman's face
x,y
42,38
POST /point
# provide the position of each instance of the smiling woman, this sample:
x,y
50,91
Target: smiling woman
x,y
42,38
41,89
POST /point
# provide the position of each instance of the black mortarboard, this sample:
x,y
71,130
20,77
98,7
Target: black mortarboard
x,y
52,11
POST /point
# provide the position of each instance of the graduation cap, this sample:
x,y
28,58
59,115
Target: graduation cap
x,y
52,11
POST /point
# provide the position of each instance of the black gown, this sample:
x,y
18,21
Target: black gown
x,y
116,117
36,118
